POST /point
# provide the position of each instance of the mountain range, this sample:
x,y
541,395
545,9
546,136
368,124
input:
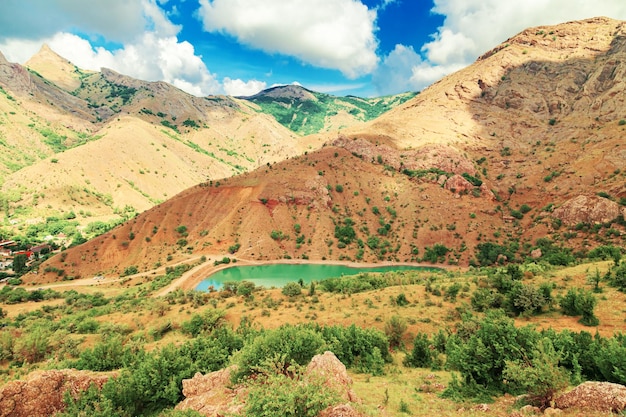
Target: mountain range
x,y
521,154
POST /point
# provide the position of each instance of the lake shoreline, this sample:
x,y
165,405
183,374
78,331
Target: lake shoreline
x,y
192,278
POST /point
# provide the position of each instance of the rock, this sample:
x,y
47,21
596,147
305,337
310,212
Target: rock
x,y
334,373
594,396
536,253
210,394
41,395
587,209
529,410
343,410
458,184
552,411
482,408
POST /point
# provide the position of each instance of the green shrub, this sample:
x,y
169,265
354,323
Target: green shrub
x,y
395,328
104,356
539,375
421,355
279,395
276,351
480,350
292,289
580,302
204,323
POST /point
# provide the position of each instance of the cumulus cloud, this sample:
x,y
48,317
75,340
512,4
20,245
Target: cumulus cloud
x,y
472,27
116,20
395,72
241,88
336,34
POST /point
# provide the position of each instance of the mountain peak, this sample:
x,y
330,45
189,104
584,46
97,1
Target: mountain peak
x,y
288,91
55,68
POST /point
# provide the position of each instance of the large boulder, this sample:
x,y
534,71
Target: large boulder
x,y
587,209
211,394
594,396
41,395
334,374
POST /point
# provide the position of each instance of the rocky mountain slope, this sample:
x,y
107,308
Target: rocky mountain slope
x,y
472,170
97,144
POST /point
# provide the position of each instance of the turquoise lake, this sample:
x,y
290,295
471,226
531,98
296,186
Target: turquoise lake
x,y
277,275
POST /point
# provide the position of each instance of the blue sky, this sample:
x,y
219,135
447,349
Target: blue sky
x,y
238,47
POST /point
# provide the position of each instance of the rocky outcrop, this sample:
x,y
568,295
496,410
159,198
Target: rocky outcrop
x,y
213,395
41,395
594,396
458,185
334,374
587,209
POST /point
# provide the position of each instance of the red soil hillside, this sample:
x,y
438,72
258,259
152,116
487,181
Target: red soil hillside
x,y
498,152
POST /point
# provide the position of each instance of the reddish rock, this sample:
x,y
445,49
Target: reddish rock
x,y
458,184
587,209
594,396
334,374
211,394
41,395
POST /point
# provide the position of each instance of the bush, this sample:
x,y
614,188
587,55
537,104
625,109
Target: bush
x,y
480,350
276,351
394,329
105,356
580,302
422,355
279,395
292,289
540,376
365,350
205,323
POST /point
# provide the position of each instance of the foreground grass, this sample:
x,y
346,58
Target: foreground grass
x,y
154,322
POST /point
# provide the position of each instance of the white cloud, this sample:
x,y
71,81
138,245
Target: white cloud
x,y
394,73
116,20
242,88
336,34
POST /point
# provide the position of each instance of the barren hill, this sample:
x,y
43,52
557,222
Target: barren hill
x,y
98,144
474,169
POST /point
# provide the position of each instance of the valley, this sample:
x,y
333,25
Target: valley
x,y
509,176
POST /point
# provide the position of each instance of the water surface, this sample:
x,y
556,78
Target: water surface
x,y
277,275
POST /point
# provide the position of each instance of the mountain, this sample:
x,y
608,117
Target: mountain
x,y
519,155
99,146
308,112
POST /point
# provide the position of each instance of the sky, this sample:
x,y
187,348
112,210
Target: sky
x,y
365,48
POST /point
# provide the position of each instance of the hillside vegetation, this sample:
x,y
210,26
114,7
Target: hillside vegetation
x,y
509,175
307,112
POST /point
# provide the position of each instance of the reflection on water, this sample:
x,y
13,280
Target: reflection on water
x,y
277,275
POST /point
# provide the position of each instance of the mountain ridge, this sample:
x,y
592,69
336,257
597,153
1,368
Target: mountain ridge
x,y
472,170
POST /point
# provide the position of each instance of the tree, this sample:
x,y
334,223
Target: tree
x,y
394,329
540,376
580,302
19,263
422,355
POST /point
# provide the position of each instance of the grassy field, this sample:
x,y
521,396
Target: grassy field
x,y
70,319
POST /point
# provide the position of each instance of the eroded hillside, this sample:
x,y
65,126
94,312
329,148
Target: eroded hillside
x,y
479,168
